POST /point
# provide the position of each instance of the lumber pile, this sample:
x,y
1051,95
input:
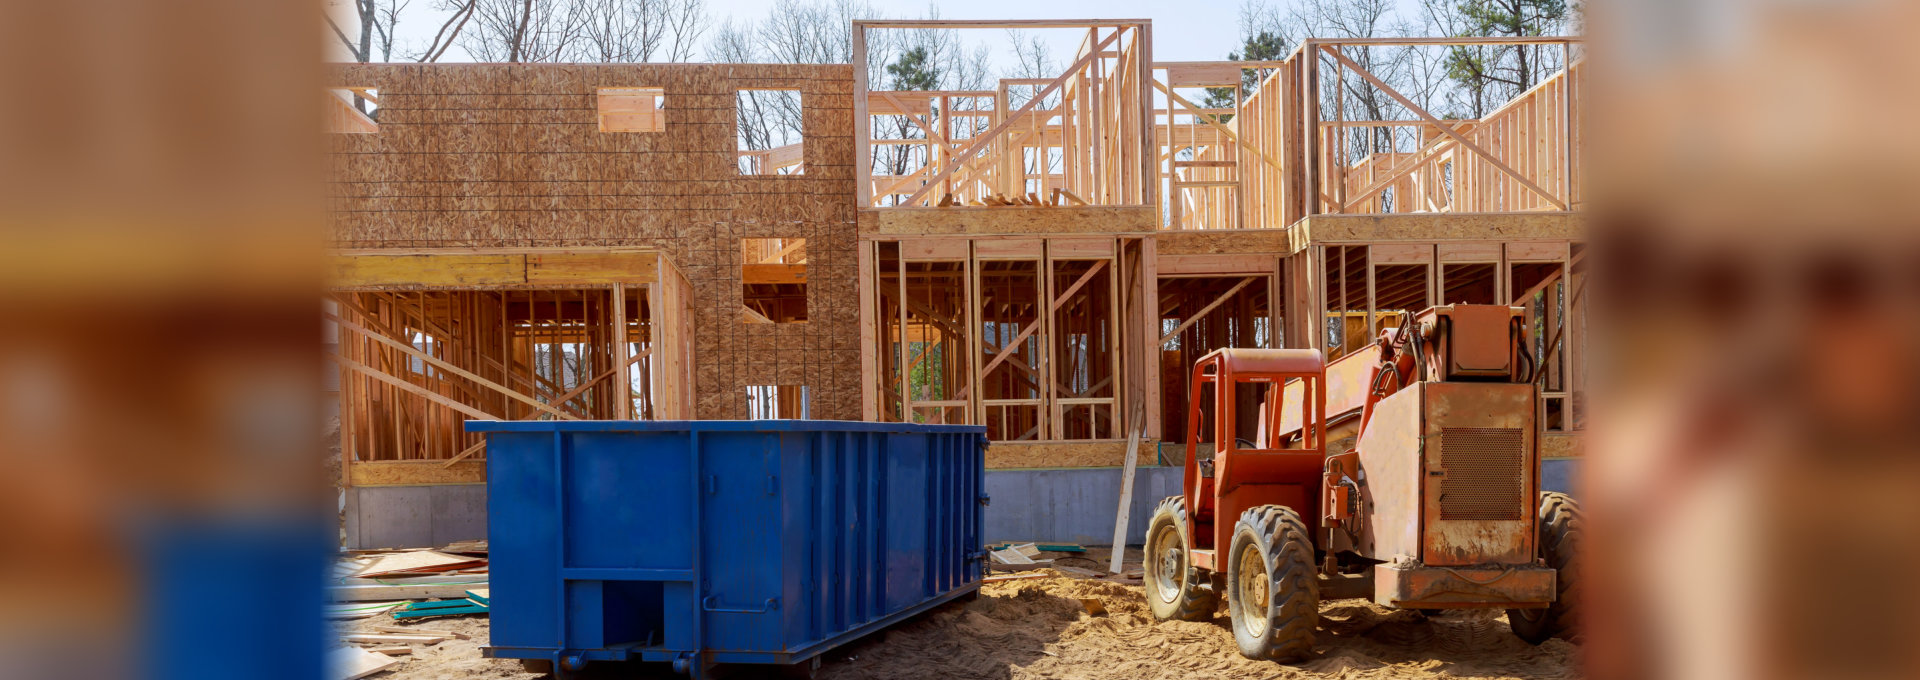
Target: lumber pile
x,y
1022,554
406,584
1054,198
369,653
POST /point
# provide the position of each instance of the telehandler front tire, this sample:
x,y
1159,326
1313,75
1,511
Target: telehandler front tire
x,y
1175,588
1559,537
1272,590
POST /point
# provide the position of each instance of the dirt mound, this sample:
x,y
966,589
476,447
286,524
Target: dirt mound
x,y
1039,628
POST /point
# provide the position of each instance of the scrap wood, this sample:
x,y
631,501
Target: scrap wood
x,y
1044,547
390,638
458,607
1011,557
392,651
479,546
422,631
466,578
361,610
1015,577
400,592
353,663
1093,605
1076,571
425,561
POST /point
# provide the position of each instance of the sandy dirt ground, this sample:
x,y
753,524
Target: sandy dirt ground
x,y
1039,628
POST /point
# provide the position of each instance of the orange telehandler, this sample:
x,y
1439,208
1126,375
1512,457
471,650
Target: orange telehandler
x,y
1419,490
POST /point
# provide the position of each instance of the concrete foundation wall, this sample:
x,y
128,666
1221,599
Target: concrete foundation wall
x,y
1052,506
1560,474
414,516
1072,505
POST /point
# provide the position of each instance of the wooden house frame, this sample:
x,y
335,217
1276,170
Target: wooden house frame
x,y
1051,256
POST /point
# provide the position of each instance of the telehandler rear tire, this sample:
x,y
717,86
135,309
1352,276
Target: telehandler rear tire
x,y
1560,544
1272,590
1175,588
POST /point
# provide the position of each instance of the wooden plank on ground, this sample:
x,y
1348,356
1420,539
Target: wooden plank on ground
x,y
414,562
353,663
422,631
391,638
1126,493
419,592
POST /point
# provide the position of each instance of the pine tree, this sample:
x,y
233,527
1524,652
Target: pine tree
x,y
1263,46
912,71
1491,75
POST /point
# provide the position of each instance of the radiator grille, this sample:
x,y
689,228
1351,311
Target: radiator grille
x,y
1485,468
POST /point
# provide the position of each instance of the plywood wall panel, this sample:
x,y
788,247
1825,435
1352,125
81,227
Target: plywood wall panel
x,y
510,155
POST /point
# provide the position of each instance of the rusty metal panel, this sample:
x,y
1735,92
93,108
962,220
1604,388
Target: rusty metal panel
x,y
1388,523
1409,585
1485,473
1479,474
1479,340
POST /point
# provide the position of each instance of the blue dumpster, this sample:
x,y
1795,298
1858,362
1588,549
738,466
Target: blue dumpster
x,y
703,542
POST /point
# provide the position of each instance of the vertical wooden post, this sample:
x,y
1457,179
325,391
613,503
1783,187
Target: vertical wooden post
x,y
1149,330
870,339
862,123
622,352
905,352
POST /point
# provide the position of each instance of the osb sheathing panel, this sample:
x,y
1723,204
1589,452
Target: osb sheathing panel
x,y
1223,242
1569,445
495,155
409,472
1009,220
1435,227
1112,453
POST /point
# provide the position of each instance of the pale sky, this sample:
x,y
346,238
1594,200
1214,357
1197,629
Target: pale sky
x,y
1183,30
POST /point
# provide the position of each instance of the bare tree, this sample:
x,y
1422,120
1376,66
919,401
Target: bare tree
x,y
515,31
686,21
637,30
366,17
377,22
818,32
449,30
1032,58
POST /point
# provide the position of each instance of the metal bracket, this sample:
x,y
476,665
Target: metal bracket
x,y
708,603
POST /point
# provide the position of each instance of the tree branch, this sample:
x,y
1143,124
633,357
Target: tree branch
x,y
343,39
436,48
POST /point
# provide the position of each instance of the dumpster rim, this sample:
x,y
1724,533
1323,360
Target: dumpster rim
x,y
715,426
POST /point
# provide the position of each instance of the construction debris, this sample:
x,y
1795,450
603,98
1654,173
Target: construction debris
x,y
422,631
388,579
416,610
466,547
1022,554
360,610
353,663
393,638
416,562
1044,547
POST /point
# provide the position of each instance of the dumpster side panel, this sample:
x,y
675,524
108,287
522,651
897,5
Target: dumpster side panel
x,y
627,504
773,541
907,528
522,514
740,538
